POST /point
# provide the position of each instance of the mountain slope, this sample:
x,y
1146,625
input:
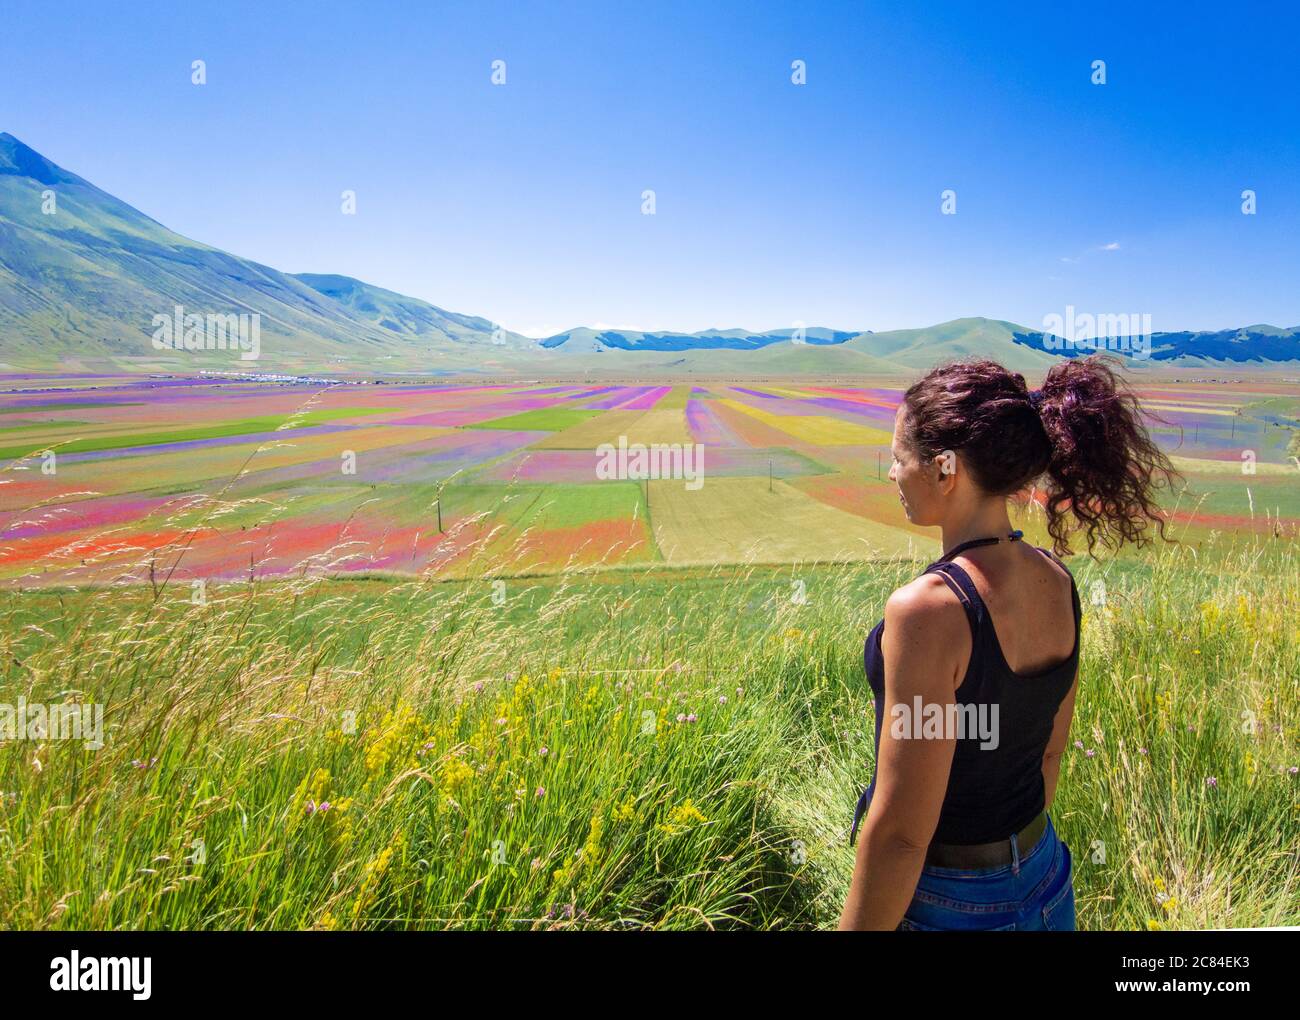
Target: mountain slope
x,y
82,274
914,349
410,317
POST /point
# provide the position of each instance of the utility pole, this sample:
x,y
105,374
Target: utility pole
x,y
438,504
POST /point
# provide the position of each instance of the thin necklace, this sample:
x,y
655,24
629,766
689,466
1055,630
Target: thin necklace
x,y
1012,537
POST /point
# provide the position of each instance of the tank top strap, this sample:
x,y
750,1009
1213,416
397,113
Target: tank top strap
x,y
964,588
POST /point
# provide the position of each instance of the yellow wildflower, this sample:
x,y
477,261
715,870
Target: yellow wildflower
x,y
311,790
588,856
1248,615
395,741
454,773
374,873
626,811
336,738
681,817
592,850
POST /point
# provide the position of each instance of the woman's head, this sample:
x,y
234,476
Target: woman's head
x,y
972,431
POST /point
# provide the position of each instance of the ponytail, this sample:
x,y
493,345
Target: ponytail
x,y
1104,466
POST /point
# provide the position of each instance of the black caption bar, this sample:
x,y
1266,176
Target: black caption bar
x,y
145,970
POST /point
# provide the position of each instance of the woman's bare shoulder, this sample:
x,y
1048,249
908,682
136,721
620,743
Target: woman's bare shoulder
x,y
925,637
925,601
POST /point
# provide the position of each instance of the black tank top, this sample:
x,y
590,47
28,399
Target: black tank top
x,y
991,792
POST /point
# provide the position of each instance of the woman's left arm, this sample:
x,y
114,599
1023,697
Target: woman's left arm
x,y
925,640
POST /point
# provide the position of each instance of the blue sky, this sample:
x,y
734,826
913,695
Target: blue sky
x,y
775,203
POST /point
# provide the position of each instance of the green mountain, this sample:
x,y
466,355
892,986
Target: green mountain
x,y
410,317
85,278
914,349
82,275
823,352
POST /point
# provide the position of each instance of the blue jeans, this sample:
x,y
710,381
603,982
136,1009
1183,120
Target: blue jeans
x,y
1033,893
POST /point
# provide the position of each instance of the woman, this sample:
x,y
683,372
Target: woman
x,y
975,664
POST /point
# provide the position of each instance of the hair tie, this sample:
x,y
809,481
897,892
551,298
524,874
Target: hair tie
x,y
1035,398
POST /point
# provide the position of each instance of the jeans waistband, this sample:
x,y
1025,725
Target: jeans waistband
x,y
994,854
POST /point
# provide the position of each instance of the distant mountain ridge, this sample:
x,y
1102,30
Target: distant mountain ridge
x,y
1260,344
1014,345
590,340
83,274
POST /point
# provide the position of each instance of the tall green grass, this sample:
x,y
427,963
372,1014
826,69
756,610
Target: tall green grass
x,y
609,749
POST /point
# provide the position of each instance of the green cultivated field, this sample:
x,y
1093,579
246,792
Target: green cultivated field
x,y
548,419
266,423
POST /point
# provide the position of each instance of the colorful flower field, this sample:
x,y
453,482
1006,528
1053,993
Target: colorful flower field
x,y
127,480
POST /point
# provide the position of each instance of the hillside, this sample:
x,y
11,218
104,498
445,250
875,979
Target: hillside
x,y
83,276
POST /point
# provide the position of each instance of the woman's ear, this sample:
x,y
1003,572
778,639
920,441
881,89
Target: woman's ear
x,y
946,463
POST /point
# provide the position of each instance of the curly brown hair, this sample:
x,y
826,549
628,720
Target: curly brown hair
x,y
1081,435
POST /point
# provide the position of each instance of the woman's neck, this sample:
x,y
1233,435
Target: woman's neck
x,y
987,521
